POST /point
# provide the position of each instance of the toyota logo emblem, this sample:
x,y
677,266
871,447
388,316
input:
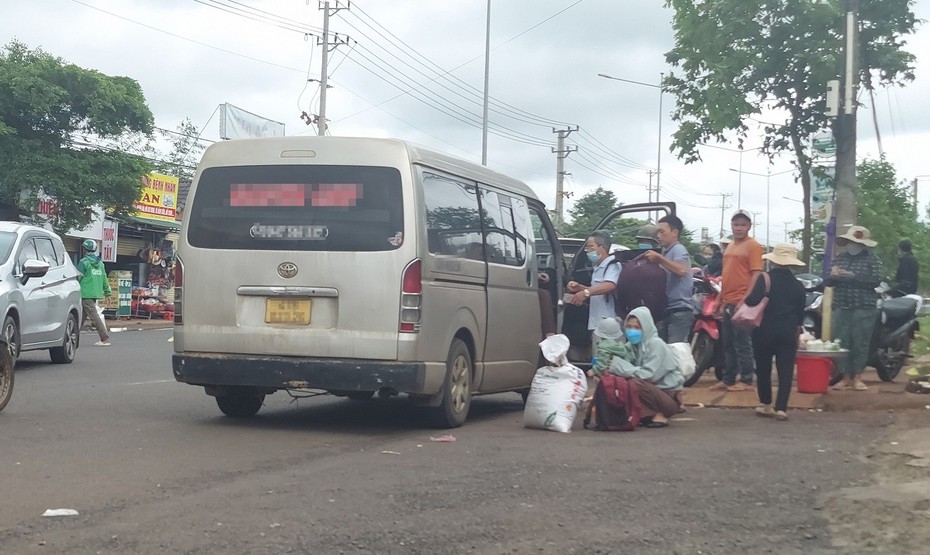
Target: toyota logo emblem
x,y
287,270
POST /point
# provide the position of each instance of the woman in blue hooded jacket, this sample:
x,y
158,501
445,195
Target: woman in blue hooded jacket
x,y
654,368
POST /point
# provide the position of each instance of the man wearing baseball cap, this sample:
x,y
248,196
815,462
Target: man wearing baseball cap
x,y
854,276
742,263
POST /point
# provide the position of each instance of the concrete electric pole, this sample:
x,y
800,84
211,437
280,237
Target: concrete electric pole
x,y
561,153
324,41
845,126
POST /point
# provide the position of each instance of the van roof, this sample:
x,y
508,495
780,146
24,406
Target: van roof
x,y
253,151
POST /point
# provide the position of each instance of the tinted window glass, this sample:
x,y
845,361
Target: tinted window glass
x,y
453,225
298,207
521,226
7,240
46,251
500,238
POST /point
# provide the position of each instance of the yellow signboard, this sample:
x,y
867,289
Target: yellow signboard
x,y
159,198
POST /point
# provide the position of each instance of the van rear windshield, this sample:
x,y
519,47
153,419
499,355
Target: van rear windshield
x,y
297,207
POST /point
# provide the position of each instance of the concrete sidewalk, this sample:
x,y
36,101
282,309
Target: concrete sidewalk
x,y
880,395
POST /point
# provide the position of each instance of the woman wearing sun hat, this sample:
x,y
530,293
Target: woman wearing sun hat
x,y
855,275
777,335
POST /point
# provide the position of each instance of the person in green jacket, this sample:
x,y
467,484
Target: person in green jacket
x,y
94,285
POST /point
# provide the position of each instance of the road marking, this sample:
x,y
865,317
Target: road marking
x,y
150,382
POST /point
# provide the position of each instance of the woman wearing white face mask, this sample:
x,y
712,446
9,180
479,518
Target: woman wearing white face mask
x,y
855,275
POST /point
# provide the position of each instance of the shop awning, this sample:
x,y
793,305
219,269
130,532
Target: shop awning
x,y
158,225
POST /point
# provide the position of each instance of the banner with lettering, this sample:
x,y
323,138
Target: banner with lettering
x,y
159,199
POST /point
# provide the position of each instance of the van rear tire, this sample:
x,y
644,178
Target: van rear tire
x,y
456,388
240,402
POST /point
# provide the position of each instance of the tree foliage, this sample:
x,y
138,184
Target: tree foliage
x,y
52,116
181,160
739,59
887,210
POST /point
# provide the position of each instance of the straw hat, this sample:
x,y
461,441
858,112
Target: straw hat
x,y
858,234
784,254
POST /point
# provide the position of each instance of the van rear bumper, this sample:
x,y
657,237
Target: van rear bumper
x,y
277,372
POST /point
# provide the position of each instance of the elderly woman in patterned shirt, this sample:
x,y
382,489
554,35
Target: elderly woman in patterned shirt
x,y
855,275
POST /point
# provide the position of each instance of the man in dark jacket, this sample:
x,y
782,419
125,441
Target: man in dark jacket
x,y
906,276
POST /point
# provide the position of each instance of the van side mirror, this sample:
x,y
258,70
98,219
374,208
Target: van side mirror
x,y
34,269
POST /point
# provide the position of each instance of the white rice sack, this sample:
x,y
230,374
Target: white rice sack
x,y
557,391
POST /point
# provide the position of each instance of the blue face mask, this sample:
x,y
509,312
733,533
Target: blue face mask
x,y
593,257
634,336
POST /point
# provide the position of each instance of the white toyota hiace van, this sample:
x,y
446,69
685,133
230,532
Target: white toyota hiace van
x,y
356,266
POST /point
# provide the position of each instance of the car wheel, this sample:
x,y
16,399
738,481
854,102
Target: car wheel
x,y
65,353
240,402
11,336
456,388
7,364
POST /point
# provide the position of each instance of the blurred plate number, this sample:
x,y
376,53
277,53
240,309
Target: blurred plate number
x,y
287,311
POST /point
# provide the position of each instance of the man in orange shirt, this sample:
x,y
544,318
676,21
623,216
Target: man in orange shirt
x,y
742,263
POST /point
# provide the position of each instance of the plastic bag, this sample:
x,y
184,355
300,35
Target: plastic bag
x,y
557,390
685,358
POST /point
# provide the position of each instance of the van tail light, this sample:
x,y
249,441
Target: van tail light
x,y
410,297
178,291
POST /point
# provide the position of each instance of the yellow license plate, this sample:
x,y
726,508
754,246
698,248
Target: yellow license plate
x,y
287,311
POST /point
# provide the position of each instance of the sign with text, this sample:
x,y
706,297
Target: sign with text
x,y
108,243
159,199
822,191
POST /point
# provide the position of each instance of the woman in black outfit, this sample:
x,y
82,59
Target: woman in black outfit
x,y
777,336
714,260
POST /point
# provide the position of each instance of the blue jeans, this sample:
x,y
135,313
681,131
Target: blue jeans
x,y
737,350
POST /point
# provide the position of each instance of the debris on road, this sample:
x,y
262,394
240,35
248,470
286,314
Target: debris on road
x,y
390,453
448,438
60,512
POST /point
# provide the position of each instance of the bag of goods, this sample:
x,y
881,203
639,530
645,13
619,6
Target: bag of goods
x,y
686,363
557,390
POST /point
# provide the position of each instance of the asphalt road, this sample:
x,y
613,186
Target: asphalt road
x,y
153,467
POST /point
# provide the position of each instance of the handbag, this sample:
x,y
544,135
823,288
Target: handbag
x,y
750,317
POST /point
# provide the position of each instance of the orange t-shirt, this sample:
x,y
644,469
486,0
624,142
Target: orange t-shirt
x,y
740,260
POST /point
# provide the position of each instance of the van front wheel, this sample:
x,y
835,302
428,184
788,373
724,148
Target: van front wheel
x,y
456,388
240,402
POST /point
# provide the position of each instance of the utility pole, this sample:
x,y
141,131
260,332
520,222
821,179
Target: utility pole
x,y
487,74
649,188
723,209
324,68
755,216
561,153
786,232
845,126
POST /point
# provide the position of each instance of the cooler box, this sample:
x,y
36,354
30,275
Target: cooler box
x,y
813,373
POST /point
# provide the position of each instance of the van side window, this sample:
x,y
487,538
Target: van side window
x,y
500,236
453,224
521,227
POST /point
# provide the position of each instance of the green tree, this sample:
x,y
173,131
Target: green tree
x,y
186,147
885,208
738,59
53,116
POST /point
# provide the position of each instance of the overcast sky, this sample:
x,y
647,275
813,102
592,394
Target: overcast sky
x,y
192,55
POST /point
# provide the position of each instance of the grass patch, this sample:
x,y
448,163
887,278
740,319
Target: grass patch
x,y
921,344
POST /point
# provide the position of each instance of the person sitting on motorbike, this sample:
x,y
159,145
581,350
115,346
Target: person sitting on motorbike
x,y
654,368
713,257
854,276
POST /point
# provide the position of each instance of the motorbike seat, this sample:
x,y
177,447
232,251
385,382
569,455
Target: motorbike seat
x,y
900,309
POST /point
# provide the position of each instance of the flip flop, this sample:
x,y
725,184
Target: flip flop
x,y
655,424
860,387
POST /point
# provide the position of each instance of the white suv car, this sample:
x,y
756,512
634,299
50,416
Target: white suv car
x,y
40,297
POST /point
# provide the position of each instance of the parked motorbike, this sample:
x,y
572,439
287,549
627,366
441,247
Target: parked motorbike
x,y
7,363
706,344
813,312
894,329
